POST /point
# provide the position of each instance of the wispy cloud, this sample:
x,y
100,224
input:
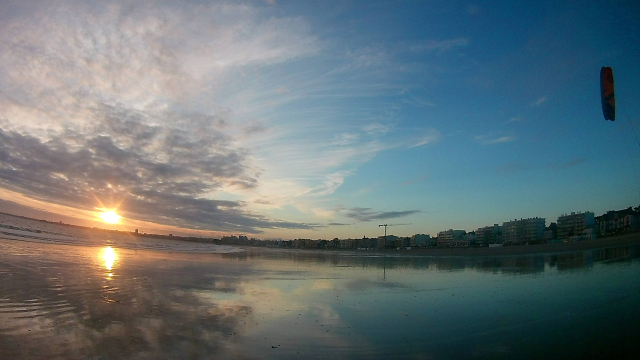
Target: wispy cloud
x,y
415,181
513,167
367,214
473,9
440,45
566,165
432,136
492,138
515,119
540,101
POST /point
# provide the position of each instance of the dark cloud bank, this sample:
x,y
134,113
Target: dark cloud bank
x,y
157,173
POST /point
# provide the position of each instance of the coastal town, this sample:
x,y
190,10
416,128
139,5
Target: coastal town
x,y
576,226
573,227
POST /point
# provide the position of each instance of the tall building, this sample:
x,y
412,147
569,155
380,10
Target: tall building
x,y
449,237
421,240
388,241
574,224
523,230
489,235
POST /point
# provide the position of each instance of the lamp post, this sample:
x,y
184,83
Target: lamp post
x,y
385,233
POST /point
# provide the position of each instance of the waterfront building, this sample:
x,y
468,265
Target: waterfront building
x,y
489,235
390,241
523,230
574,224
450,237
617,221
421,240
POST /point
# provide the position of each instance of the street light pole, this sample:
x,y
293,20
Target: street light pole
x,y
385,233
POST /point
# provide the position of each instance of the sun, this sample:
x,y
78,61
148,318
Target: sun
x,y
110,217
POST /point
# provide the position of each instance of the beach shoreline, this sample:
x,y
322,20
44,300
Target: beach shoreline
x,y
517,250
69,234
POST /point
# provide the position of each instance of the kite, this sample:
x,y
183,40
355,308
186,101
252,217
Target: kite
x,y
606,91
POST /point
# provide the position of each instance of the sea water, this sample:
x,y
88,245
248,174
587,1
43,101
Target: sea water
x,y
105,302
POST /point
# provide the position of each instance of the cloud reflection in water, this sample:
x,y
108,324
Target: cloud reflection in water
x,y
55,302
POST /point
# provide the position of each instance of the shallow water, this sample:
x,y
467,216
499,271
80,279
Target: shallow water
x,y
86,302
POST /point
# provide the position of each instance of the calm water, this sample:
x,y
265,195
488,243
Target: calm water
x,y
69,302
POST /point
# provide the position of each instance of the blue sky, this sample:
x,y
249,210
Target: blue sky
x,y
291,119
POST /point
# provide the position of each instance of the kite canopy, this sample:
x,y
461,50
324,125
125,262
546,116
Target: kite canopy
x,y
606,91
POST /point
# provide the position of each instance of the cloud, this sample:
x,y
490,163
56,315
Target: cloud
x,y
432,136
345,139
59,59
566,165
331,183
515,119
415,181
122,102
513,167
491,139
473,9
254,127
540,101
158,175
376,128
324,214
366,214
440,46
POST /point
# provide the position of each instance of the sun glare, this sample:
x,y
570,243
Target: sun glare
x,y
109,256
110,217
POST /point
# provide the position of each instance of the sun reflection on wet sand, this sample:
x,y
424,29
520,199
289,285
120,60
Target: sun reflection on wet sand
x,y
109,256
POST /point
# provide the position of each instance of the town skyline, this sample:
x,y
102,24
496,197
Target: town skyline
x,y
596,227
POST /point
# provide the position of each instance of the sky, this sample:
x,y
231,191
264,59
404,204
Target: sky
x,y
296,119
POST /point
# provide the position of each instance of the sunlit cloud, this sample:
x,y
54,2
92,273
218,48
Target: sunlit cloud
x,y
324,214
95,102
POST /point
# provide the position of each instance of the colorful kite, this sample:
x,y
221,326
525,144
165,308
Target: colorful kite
x,y
606,90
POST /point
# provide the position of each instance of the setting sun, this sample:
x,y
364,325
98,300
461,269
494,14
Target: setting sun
x,y
110,217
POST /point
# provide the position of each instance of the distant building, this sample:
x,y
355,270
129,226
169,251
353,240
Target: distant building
x,y
421,240
618,221
450,237
390,241
550,232
523,230
574,224
489,235
468,239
